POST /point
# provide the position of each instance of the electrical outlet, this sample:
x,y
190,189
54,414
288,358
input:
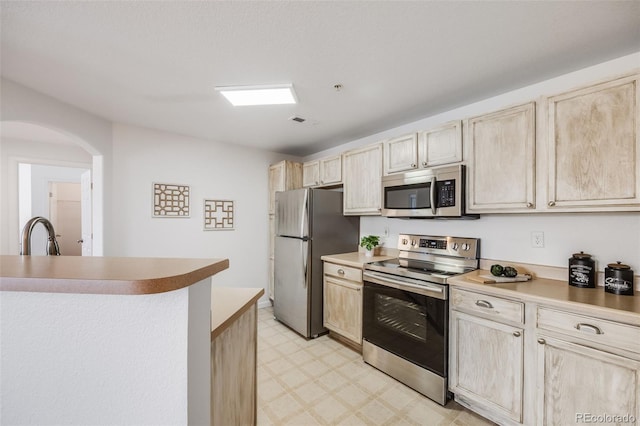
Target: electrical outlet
x,y
537,239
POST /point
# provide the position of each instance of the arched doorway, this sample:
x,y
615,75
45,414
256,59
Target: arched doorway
x,y
40,165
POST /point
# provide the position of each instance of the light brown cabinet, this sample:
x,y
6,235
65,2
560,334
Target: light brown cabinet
x,y
283,176
323,172
501,160
528,359
487,353
441,145
575,381
437,146
343,301
401,154
362,179
586,156
585,365
594,147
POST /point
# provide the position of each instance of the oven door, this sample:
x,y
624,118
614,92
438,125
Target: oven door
x,y
407,318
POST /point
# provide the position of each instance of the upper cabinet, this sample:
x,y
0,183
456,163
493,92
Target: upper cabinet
x,y
501,160
362,180
594,148
323,172
441,145
283,176
310,173
401,154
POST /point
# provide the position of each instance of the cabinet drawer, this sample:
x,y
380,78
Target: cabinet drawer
x,y
341,271
609,333
490,306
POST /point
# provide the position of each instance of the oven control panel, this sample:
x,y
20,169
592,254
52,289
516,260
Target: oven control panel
x,y
448,246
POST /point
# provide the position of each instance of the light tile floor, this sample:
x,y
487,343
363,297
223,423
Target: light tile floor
x,y
322,382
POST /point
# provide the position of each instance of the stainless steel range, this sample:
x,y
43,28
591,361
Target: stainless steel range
x,y
406,310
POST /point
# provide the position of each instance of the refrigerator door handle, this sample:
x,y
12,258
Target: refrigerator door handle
x,y
305,251
304,220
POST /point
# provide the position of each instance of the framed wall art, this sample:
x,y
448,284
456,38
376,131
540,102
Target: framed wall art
x,y
219,215
171,200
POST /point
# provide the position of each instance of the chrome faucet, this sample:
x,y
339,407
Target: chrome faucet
x,y
52,245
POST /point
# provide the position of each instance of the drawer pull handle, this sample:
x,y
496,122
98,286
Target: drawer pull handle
x,y
516,333
341,271
588,328
484,304
542,341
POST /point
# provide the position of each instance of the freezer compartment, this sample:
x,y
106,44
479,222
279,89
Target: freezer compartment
x,y
292,213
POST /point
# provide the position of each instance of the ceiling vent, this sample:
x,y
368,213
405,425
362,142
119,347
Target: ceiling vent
x,y
298,119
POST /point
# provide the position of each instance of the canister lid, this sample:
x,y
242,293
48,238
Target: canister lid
x,y
618,265
581,255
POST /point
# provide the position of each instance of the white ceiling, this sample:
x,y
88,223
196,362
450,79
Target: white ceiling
x,y
155,64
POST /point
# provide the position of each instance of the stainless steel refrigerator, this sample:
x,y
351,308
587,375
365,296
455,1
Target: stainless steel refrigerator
x,y
309,224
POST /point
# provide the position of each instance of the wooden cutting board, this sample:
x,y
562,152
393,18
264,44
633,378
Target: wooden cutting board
x,y
490,279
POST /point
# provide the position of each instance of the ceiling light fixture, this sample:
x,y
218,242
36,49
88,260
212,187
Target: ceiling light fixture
x,y
275,94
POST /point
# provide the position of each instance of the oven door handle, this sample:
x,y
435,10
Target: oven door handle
x,y
423,289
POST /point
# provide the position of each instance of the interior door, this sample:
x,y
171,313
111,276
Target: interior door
x,y
64,213
291,286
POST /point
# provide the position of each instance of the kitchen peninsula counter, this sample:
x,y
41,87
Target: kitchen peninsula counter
x,y
103,275
89,340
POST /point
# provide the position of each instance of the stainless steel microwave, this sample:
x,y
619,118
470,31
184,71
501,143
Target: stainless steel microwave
x,y
427,193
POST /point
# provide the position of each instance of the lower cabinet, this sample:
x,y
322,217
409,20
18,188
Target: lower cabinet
x,y
586,367
487,357
343,301
522,361
233,372
577,384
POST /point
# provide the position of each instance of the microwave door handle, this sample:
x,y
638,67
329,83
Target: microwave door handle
x,y
432,195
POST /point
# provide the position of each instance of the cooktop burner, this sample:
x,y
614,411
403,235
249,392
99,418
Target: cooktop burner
x,y
430,258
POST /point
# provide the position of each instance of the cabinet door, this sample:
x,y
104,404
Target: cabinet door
x,y
277,173
594,146
442,145
575,381
331,170
343,308
311,174
501,160
363,181
487,364
283,176
401,154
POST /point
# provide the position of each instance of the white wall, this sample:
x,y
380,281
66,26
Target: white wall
x,y
213,171
608,237
90,132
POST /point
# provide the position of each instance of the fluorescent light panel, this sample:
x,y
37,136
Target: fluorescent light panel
x,y
259,95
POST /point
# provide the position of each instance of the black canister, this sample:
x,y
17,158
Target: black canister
x,y
618,279
582,270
